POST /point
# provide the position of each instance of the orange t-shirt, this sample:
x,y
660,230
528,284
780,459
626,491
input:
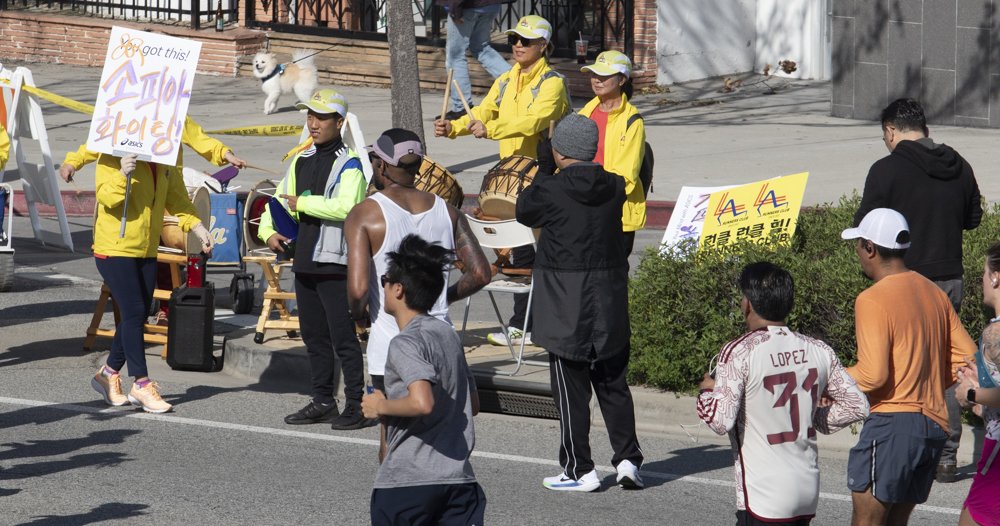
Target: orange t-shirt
x,y
910,343
601,119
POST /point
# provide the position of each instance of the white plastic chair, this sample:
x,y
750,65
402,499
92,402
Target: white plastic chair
x,y
503,235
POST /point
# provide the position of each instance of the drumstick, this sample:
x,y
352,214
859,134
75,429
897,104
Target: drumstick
x,y
468,111
272,172
447,93
552,128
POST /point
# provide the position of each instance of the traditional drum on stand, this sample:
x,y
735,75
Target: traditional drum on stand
x,y
435,179
503,183
172,237
256,202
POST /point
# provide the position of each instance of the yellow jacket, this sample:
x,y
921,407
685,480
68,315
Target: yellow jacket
x,y
4,146
624,147
524,111
147,200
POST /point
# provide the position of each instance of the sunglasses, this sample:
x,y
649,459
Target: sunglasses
x,y
384,280
525,42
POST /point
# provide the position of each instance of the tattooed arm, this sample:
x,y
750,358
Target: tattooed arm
x,y
476,270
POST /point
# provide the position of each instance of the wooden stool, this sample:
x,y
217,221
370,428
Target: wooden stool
x,y
274,299
151,333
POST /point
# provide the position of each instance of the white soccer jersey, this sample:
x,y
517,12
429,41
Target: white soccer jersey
x,y
768,383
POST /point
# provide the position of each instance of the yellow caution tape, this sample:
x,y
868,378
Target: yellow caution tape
x,y
308,142
270,130
56,99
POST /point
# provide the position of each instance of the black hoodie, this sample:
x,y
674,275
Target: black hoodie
x,y
935,190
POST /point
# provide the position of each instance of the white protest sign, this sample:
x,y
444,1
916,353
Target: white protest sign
x,y
688,215
143,96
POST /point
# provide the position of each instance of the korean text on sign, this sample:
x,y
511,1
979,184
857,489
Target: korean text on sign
x,y
143,97
761,212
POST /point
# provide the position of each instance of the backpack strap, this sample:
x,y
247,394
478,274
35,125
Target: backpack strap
x,y
632,119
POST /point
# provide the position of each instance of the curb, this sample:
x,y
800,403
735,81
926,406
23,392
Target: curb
x,y
81,203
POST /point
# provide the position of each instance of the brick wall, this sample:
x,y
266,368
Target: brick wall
x,y
83,41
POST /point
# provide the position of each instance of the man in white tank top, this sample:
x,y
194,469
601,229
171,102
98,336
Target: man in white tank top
x,y
376,226
772,390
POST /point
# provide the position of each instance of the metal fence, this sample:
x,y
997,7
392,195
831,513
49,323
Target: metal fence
x,y
197,13
600,22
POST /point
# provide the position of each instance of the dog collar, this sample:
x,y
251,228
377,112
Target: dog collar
x,y
280,70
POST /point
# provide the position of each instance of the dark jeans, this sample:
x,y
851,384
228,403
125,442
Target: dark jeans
x,y
571,388
953,288
328,332
131,281
745,519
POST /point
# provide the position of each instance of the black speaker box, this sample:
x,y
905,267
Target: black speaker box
x,y
190,329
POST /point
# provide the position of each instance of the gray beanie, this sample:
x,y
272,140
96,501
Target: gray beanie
x,y
576,137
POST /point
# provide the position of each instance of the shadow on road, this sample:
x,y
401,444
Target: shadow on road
x,y
42,350
689,461
48,448
104,512
36,312
28,470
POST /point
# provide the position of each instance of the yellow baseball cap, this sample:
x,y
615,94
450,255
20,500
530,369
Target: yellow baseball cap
x,y
610,63
532,26
325,101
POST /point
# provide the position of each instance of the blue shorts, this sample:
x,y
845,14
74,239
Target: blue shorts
x,y
439,504
896,456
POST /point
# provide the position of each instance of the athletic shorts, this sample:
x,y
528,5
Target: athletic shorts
x,y
444,504
896,457
983,503
745,519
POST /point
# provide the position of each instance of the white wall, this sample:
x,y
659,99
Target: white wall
x,y
696,39
794,30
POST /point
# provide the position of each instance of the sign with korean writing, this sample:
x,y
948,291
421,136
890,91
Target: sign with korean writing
x,y
761,212
688,214
143,97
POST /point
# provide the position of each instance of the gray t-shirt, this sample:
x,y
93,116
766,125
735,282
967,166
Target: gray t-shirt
x,y
433,449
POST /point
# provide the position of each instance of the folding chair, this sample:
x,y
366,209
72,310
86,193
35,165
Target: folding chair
x,y
500,235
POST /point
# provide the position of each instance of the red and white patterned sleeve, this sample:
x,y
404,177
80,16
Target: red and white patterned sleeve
x,y
720,407
849,403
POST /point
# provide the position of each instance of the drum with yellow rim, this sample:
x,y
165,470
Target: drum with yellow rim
x,y
503,183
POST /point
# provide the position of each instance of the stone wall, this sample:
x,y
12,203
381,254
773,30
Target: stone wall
x,y
944,53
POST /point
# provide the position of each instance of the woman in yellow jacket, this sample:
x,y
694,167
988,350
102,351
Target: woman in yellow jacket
x,y
522,101
622,135
4,146
516,112
126,259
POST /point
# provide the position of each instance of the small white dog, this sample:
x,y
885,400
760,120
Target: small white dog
x,y
298,76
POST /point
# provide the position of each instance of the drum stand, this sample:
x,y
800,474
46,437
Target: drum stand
x,y
151,333
274,299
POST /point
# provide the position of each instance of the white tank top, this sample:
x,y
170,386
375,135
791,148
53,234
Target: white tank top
x,y
434,226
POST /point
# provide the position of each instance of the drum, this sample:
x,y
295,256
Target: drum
x,y
503,183
435,179
172,237
257,199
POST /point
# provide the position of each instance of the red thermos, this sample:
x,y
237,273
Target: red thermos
x,y
196,270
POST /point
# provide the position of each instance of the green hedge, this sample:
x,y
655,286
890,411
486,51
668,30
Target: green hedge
x,y
684,305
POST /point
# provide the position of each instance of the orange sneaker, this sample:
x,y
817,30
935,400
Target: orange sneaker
x,y
148,398
110,387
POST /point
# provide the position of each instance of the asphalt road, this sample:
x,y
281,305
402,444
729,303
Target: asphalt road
x,y
225,456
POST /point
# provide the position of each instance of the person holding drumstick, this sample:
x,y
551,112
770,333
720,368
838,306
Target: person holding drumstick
x,y
622,135
517,112
194,136
126,237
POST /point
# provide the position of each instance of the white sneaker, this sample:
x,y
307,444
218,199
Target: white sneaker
x,y
562,482
628,476
515,334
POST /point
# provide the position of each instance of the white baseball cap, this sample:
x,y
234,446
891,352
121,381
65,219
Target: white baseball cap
x,y
883,226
